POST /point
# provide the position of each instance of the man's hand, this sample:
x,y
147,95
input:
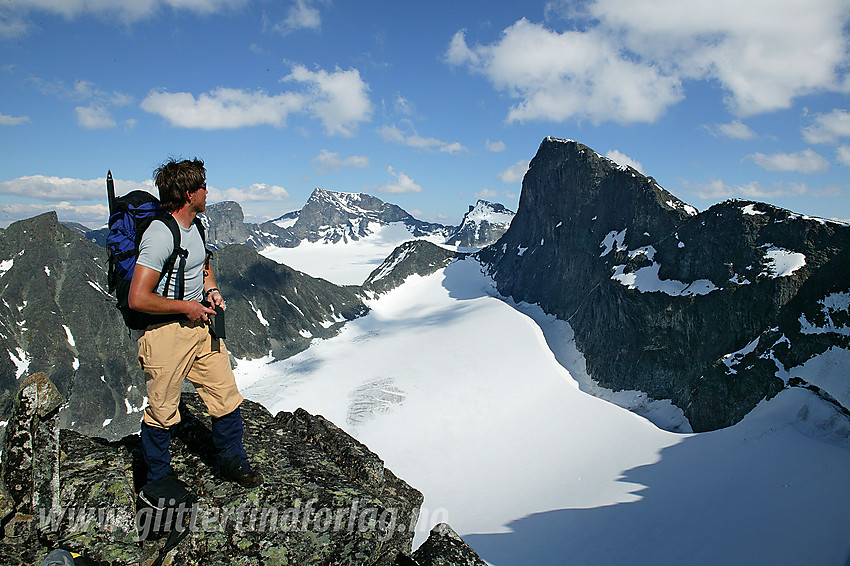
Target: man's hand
x,y
195,311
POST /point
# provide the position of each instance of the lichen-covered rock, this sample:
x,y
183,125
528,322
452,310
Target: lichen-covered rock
x,y
444,547
30,468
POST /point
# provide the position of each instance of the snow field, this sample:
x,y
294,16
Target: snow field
x,y
461,396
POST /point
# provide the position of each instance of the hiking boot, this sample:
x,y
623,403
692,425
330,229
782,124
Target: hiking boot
x,y
233,470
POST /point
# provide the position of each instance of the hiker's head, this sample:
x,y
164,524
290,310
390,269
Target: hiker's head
x,y
176,180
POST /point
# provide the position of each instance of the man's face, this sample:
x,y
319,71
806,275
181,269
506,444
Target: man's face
x,y
198,199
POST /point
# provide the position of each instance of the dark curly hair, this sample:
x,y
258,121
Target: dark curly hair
x,y
176,179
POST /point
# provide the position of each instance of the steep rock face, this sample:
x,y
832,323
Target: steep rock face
x,y
56,317
482,225
657,294
326,498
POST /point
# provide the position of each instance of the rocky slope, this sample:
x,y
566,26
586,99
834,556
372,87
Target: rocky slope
x,y
483,224
661,298
56,317
326,498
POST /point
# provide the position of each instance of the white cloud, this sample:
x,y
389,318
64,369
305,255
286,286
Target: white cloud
x,y
339,99
806,161
258,192
828,128
329,161
735,130
401,183
302,14
94,118
66,188
844,154
12,120
496,146
395,135
223,108
623,159
514,173
631,57
559,76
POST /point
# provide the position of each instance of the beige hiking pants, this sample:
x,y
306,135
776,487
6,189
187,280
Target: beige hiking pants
x,y
172,352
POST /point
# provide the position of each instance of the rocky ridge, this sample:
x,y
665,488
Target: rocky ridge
x,y
662,298
326,500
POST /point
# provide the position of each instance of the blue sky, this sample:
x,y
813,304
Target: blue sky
x,y
427,105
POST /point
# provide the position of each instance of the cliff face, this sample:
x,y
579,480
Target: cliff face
x,y
326,498
659,295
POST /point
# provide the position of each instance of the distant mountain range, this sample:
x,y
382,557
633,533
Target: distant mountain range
x,y
712,310
337,217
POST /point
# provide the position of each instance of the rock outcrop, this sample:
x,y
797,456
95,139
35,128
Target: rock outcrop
x,y
326,498
661,297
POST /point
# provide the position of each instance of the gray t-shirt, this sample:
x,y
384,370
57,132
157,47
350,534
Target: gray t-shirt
x,y
155,248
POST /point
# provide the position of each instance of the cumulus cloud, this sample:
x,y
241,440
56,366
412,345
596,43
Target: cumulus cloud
x,y
329,161
67,188
495,146
558,76
394,134
806,161
844,154
339,99
623,159
829,127
223,108
735,130
514,173
257,192
629,58
13,120
400,183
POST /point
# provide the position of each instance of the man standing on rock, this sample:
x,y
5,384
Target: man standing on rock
x,y
180,346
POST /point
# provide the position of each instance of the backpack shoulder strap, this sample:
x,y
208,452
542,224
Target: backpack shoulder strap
x,y
177,258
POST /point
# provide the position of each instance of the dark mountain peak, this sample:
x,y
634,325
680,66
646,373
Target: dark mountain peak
x,y
674,291
570,185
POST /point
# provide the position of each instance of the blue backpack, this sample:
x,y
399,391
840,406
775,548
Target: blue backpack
x,y
129,217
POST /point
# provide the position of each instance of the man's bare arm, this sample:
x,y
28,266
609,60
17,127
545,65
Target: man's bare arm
x,y
143,299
